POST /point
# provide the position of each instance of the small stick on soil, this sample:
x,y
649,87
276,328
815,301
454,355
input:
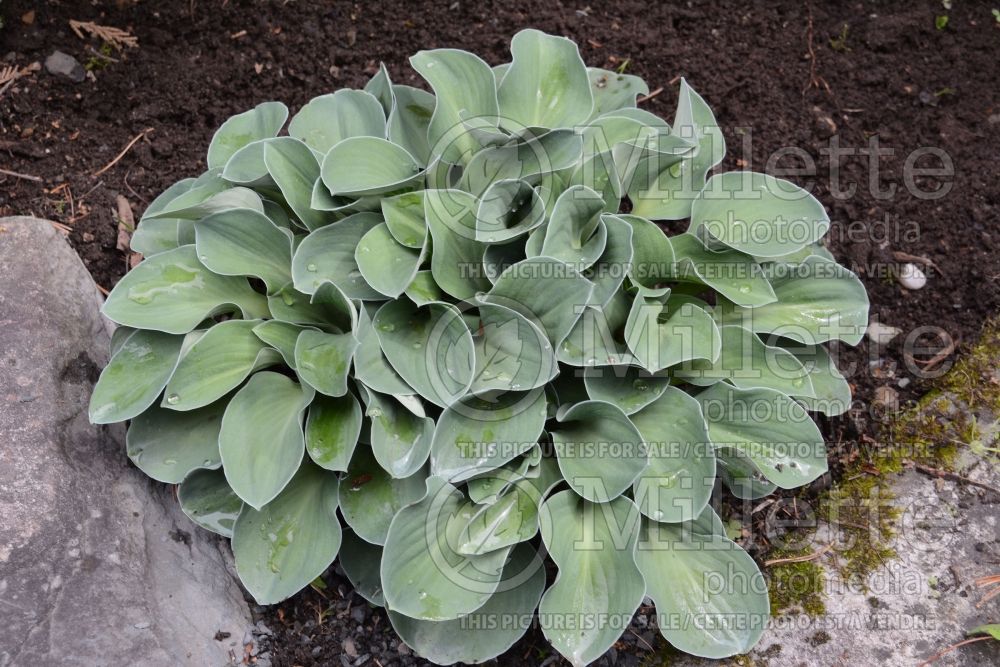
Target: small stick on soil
x,y
641,639
954,477
102,290
815,80
646,98
907,257
939,357
27,177
125,150
937,656
799,559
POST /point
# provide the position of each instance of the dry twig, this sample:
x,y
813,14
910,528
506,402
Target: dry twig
x,y
27,177
815,80
953,476
646,98
799,559
116,37
940,654
13,72
125,150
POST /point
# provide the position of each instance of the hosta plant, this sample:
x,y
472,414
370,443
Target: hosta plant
x,y
440,339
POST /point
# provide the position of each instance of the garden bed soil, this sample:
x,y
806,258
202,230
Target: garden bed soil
x,y
788,75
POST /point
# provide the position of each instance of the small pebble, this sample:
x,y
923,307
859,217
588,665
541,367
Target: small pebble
x,y
911,277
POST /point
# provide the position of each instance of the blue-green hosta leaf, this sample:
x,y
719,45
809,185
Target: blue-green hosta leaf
x,y
598,172
594,340
771,429
600,450
243,198
511,519
328,308
818,300
361,562
332,430
832,392
401,438
371,368
386,264
477,637
247,166
153,236
281,548
328,254
757,214
711,599
365,166
262,122
404,215
329,119
678,482
422,574
165,198
613,90
547,83
423,290
747,362
575,233
281,336
323,360
743,479
733,274
465,89
546,290
261,441
526,157
295,170
206,499
677,184
662,335
608,272
429,346
594,547
498,258
370,496
135,376
118,338
476,435
512,353
457,258
629,387
486,487
167,446
410,120
173,292
217,363
653,253
508,209
243,242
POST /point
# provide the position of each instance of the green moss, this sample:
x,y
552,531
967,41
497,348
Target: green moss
x,y
796,587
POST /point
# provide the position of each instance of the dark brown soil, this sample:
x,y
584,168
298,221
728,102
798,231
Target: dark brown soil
x,y
785,75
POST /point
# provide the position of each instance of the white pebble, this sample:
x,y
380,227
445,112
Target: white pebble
x,y
911,277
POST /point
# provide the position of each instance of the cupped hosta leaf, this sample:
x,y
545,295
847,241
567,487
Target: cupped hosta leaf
x,y
361,562
512,353
746,362
662,335
733,274
678,482
261,122
630,388
546,290
242,242
677,185
386,264
600,450
118,338
365,166
486,487
295,170
598,172
743,479
423,577
371,368
711,599
832,392
593,544
490,630
167,446
475,435
547,83
206,499
281,548
370,496
401,439
328,254
508,209
217,363
247,166
261,441
758,214
173,292
653,253
152,236
281,336
429,346
423,290
511,519
465,89
332,430
770,428
597,337
818,300
135,376
323,360
404,215
457,260
575,233
609,271
533,156
329,119
410,120
243,198
327,309
614,90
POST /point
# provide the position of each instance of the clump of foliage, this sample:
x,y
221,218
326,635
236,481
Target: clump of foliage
x,y
429,313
